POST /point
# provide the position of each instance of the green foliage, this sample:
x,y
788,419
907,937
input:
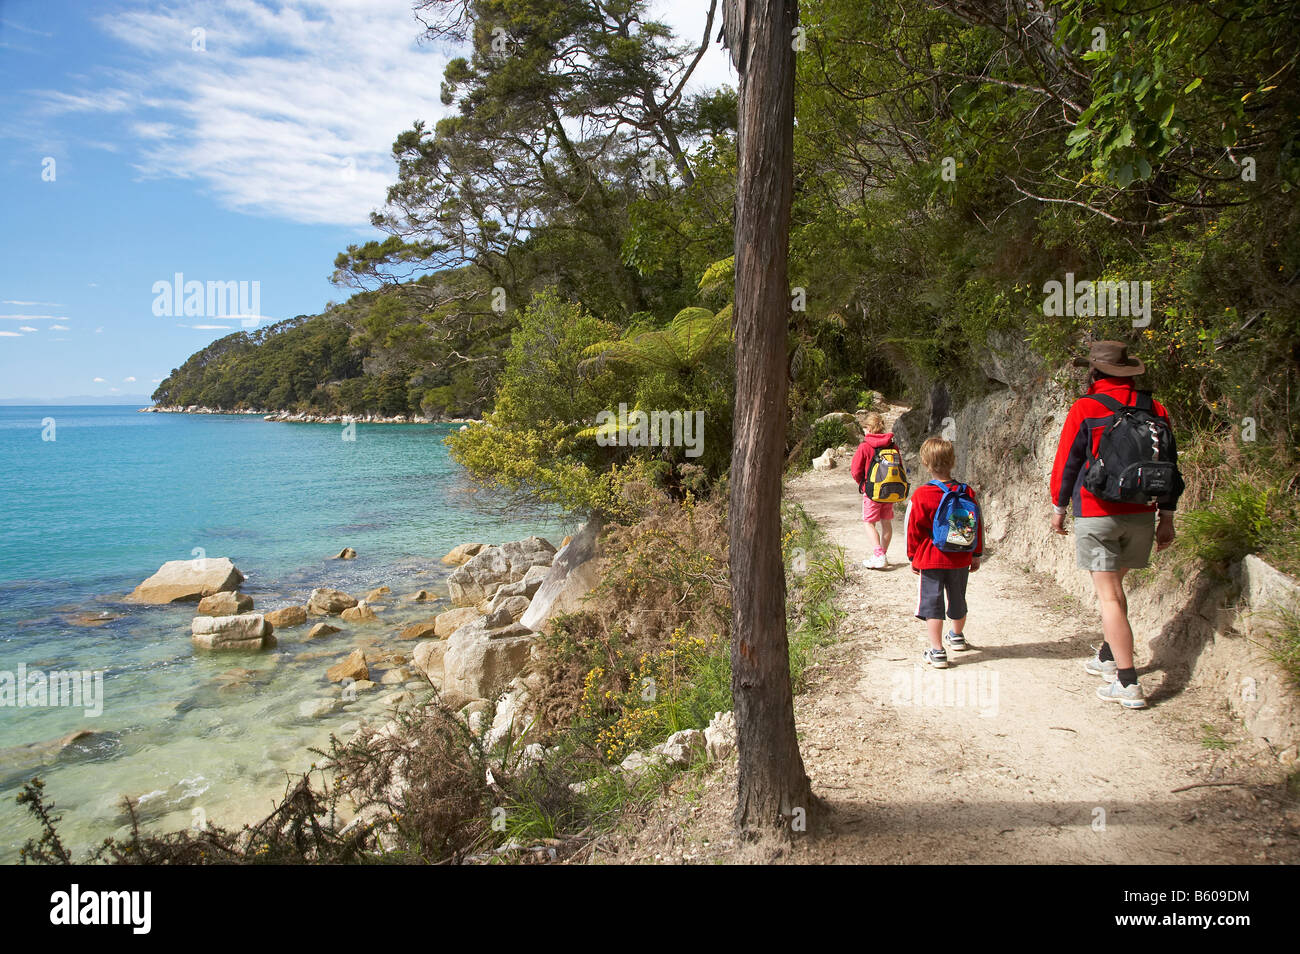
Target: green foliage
x,y
1236,521
826,434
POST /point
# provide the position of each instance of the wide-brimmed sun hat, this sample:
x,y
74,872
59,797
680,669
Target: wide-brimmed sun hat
x,y
1111,357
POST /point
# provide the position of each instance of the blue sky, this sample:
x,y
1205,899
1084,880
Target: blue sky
x,y
237,141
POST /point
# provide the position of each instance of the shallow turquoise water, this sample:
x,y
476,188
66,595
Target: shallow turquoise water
x,y
91,513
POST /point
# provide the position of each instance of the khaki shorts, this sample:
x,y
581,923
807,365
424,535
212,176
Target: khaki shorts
x,y
1113,543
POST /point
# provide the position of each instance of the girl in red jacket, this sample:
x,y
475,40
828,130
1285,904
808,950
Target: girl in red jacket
x,y
879,517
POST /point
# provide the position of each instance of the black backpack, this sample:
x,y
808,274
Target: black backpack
x,y
1136,460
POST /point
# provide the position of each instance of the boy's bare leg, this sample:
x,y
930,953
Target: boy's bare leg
x,y
886,534
934,629
958,625
1109,585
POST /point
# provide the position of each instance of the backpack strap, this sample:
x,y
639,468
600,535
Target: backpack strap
x,y
1143,401
1108,402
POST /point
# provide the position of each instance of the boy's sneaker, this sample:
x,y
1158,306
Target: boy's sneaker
x,y
936,658
1130,697
876,561
955,641
1104,668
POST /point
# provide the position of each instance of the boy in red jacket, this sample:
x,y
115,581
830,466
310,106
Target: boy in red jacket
x,y
942,572
879,517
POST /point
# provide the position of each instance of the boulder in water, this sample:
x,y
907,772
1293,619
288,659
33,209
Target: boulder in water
x,y
289,616
225,603
322,629
428,629
326,602
179,581
361,613
248,631
461,553
353,667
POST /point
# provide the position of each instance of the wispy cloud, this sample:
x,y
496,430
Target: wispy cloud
x,y
29,304
289,110
99,380
33,317
9,334
27,328
60,328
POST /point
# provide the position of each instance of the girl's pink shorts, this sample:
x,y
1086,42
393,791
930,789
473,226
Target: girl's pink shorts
x,y
875,512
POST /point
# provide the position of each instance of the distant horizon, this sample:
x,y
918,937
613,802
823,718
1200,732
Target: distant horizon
x,y
82,400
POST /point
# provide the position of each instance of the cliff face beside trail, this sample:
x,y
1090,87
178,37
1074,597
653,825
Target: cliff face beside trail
x,y
1194,628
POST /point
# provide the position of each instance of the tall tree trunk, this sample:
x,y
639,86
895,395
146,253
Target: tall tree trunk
x,y
773,788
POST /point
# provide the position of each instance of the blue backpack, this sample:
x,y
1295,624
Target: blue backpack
x,y
956,519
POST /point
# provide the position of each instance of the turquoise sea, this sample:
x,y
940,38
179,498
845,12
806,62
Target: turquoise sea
x,y
95,499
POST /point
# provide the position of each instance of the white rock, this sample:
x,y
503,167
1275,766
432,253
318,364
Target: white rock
x,y
720,736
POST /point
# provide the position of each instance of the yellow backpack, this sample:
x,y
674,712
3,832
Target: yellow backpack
x,y
886,479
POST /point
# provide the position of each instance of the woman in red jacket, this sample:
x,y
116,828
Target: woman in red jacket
x,y
1111,538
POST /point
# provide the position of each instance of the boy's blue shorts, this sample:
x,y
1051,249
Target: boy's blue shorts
x,y
932,587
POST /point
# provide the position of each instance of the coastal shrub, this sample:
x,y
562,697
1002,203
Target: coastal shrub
x,y
649,660
663,573
426,781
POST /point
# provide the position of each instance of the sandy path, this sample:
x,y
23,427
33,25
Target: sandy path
x,y
1028,766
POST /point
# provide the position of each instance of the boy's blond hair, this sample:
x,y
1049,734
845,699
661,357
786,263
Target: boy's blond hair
x,y
874,423
938,456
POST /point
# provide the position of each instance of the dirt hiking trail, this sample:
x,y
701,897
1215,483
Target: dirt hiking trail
x,y
1017,762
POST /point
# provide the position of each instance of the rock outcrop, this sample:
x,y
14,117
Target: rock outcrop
x,y
479,577
480,662
180,581
572,575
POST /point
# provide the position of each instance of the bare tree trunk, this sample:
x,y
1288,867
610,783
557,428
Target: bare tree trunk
x,y
773,788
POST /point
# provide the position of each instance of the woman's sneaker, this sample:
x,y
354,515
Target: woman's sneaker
x,y
936,658
1130,697
955,641
1106,668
